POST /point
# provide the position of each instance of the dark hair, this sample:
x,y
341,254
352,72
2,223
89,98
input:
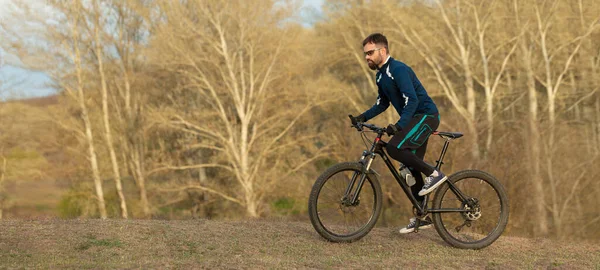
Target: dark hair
x,y
377,38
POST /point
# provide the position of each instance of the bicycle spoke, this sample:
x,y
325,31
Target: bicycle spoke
x,y
475,225
342,219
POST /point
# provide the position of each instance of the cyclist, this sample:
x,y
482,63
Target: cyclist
x,y
397,83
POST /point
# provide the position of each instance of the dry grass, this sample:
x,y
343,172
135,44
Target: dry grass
x,y
260,244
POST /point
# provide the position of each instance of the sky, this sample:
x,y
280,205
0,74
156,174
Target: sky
x,y
17,82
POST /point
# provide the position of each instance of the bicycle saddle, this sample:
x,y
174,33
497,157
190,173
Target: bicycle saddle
x,y
451,135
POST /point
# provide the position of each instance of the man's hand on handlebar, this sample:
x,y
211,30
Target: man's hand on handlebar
x,y
358,119
359,125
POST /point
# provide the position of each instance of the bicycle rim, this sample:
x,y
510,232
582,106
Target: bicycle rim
x,y
484,223
340,220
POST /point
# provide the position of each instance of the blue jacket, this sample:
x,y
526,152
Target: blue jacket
x,y
398,84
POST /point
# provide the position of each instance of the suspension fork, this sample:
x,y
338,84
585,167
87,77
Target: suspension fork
x,y
350,186
366,159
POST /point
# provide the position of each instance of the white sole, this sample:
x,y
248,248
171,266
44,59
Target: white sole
x,y
403,231
426,191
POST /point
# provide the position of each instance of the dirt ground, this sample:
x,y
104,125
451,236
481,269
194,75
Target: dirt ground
x,y
90,243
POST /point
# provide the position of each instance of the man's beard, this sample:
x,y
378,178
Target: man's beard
x,y
372,65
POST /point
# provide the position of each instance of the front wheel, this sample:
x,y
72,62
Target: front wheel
x,y
484,209
332,215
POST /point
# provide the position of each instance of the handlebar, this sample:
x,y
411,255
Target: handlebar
x,y
359,126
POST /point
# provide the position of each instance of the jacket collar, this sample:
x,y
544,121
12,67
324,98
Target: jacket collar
x,y
387,63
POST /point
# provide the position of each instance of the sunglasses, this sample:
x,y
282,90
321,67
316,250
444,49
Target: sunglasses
x,y
369,53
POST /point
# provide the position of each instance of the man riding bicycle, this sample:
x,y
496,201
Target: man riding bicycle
x,y
397,83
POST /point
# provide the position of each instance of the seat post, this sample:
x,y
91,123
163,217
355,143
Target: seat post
x,y
441,160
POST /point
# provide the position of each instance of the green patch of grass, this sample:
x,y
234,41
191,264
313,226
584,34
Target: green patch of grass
x,y
185,249
19,255
71,204
92,241
286,206
493,264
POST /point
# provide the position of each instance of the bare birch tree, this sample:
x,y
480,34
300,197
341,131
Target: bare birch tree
x,y
97,31
64,57
77,92
526,57
130,103
230,53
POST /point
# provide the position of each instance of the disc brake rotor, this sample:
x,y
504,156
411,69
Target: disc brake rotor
x,y
473,214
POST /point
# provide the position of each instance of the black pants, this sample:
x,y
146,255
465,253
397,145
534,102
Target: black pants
x,y
409,145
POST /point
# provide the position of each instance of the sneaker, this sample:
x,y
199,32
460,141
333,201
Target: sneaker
x,y
432,182
424,224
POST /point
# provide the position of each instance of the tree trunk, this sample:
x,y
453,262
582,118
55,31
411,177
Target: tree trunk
x,y
2,191
597,130
106,118
539,197
133,146
92,156
489,99
89,136
251,204
250,194
141,182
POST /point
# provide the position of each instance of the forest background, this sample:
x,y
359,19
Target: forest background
x,y
231,109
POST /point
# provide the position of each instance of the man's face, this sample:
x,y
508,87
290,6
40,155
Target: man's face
x,y
373,55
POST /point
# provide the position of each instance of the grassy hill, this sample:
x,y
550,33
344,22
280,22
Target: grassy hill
x,y
188,244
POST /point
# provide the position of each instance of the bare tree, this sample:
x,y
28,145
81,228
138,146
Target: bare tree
x,y
65,60
77,92
130,103
350,28
557,62
455,59
548,62
233,63
97,29
553,77
483,15
3,159
526,55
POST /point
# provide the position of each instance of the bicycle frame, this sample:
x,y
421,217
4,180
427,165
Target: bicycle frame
x,y
351,199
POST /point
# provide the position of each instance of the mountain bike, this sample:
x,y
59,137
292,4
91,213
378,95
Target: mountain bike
x,y
470,210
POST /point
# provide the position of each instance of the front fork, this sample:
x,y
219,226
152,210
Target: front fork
x,y
351,198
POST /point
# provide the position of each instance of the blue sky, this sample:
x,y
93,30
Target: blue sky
x,y
14,80
17,82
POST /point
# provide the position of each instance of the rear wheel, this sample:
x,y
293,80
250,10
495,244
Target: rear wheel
x,y
487,210
332,215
